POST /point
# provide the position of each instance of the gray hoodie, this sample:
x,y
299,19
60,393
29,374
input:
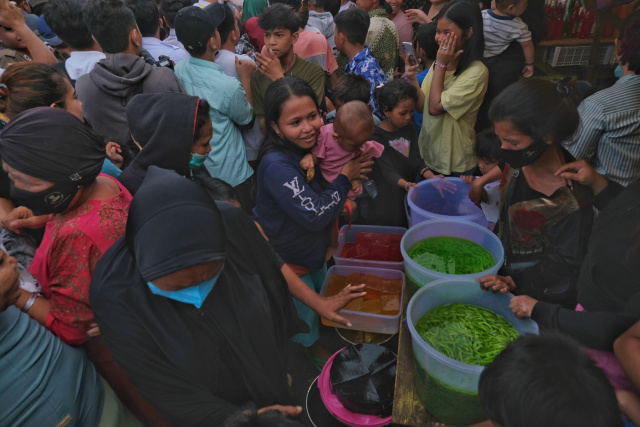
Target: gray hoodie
x,y
323,21
107,89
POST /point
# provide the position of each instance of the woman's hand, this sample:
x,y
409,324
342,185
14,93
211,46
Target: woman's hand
x,y
269,65
289,411
245,68
10,16
447,51
477,193
9,285
468,179
357,168
329,306
114,153
502,284
583,173
522,306
93,330
307,162
428,174
22,217
417,15
411,70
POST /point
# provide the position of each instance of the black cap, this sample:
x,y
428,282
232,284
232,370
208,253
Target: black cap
x,y
194,25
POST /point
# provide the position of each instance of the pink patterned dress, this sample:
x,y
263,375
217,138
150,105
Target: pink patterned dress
x,y
64,263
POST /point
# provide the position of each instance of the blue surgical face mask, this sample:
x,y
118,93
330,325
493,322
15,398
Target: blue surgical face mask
x,y
197,160
194,295
618,71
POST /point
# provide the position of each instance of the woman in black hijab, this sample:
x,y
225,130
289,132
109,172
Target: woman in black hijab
x,y
173,129
192,303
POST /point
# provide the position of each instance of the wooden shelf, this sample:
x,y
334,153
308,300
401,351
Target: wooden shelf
x,y
574,42
407,408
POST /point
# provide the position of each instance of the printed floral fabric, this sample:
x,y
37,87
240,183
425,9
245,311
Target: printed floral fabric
x,y
72,245
382,38
367,66
64,264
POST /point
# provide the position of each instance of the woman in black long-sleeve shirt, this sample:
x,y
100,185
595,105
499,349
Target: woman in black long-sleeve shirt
x,y
608,285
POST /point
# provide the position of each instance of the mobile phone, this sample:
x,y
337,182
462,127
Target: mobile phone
x,y
408,50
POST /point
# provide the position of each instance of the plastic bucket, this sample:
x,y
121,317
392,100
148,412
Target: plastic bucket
x,y
448,389
442,198
417,275
349,235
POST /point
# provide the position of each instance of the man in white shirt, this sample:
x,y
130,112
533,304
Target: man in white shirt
x,y
66,20
226,58
148,20
168,11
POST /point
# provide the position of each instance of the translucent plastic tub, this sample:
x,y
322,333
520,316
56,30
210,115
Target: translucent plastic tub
x,y
350,236
442,198
448,389
417,275
368,322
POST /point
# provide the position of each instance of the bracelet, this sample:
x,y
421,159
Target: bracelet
x,y
529,63
423,171
444,67
30,302
406,186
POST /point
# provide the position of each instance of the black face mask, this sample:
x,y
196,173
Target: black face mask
x,y
52,200
519,158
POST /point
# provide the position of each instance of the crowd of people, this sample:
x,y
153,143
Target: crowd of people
x,y
145,282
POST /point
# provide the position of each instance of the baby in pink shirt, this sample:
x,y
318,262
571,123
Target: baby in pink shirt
x,y
348,137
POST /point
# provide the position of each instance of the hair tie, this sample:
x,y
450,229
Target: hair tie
x,y
4,91
564,86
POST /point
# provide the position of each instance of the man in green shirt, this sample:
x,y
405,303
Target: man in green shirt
x,y
280,24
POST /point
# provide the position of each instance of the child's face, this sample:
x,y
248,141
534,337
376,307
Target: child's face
x,y
280,41
518,8
401,114
486,165
445,26
201,145
352,139
10,39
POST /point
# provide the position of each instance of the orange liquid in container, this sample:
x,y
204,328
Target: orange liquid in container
x,y
383,295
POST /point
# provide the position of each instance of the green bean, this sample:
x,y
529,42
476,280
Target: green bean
x,y
451,255
466,333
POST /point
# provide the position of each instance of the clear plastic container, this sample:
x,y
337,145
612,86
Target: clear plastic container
x,y
360,321
350,236
448,388
418,276
442,198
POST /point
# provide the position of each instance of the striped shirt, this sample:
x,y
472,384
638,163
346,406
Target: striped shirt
x,y
500,31
609,133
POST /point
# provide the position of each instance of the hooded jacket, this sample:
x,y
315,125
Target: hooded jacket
x,y
107,89
323,21
166,134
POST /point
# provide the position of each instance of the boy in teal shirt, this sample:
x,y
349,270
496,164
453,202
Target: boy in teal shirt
x,y
196,29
